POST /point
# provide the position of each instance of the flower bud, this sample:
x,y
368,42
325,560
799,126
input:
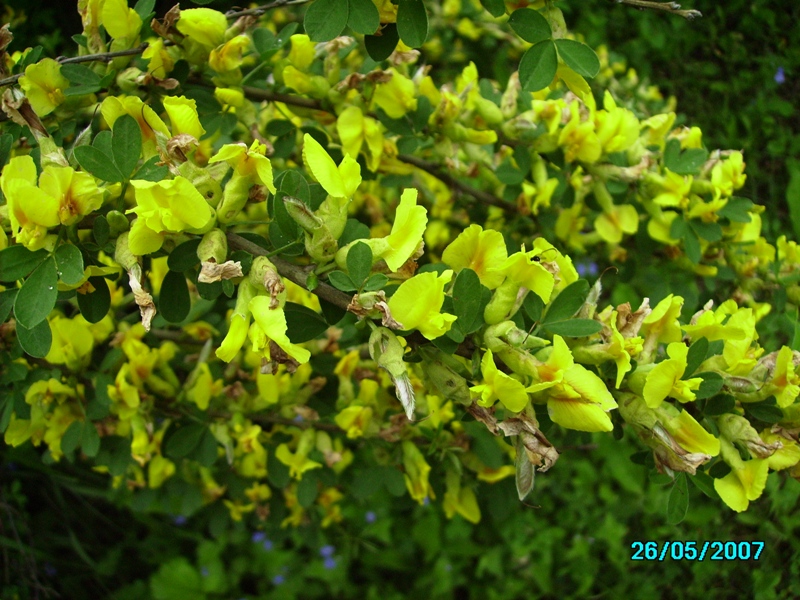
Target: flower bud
x,y
213,246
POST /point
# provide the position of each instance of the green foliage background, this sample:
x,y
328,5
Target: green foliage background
x,y
65,532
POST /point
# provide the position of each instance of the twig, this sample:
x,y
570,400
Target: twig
x,y
258,94
103,56
670,7
433,169
292,272
260,10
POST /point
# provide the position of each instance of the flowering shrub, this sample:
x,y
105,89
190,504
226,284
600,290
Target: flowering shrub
x,y
280,265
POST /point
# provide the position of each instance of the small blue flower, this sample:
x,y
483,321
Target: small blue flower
x,y
370,517
330,563
278,580
780,76
204,571
180,520
298,419
426,501
327,551
258,537
50,570
268,545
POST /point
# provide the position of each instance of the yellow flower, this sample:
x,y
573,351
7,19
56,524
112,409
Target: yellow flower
x,y
745,482
416,473
298,462
675,190
168,206
247,162
354,420
480,251
122,23
579,140
339,182
73,342
31,211
272,323
150,123
160,62
613,223
729,176
354,129
617,128
662,323
250,454
417,302
665,378
159,470
785,382
525,269
203,26
76,192
228,57
458,499
183,116
302,51
397,96
44,86
499,386
716,324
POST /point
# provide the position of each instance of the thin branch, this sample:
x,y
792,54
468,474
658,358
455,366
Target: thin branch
x,y
292,272
103,56
433,169
670,7
260,10
258,94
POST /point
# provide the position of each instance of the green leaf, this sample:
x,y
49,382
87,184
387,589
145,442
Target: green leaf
x,y
496,8
359,263
769,413
691,243
508,174
412,22
719,470
36,341
184,440
302,323
174,302
719,405
687,162
82,78
697,353
144,8
7,299
341,281
126,144
736,209
533,306
177,580
467,299
292,183
17,262
72,437
375,282
363,17
326,19
69,262
265,41
98,164
705,484
530,25
90,440
380,47
678,502
94,305
574,327
279,127
307,489
6,140
102,142
101,230
206,451
150,171
525,473
711,232
568,302
37,296
711,385
579,57
184,257
538,66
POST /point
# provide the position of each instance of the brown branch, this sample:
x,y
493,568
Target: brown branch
x,y
260,10
479,195
103,56
258,94
292,272
670,7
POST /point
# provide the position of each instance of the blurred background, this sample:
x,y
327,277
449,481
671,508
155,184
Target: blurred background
x,y
736,74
